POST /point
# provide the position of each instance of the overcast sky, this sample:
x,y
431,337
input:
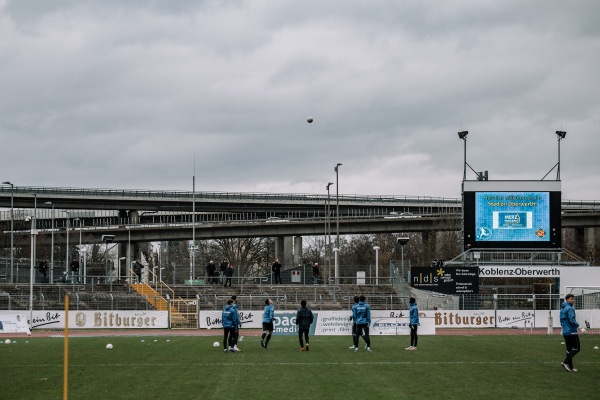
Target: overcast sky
x,y
133,94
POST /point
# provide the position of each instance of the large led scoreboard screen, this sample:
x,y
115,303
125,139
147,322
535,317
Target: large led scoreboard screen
x,y
512,214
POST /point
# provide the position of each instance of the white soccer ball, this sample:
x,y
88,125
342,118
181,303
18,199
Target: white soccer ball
x,y
595,347
28,333
309,120
208,327
109,346
216,344
7,341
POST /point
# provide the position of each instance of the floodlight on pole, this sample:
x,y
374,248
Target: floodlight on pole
x,y
463,135
560,135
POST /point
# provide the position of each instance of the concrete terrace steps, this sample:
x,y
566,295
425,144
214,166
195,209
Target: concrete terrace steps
x,y
288,297
157,301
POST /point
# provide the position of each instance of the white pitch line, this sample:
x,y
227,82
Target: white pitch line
x,y
268,363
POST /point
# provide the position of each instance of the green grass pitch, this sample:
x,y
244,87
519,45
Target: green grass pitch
x,y
179,367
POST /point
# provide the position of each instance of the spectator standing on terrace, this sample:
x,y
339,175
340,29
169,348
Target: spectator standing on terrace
x,y
315,270
137,270
304,318
570,328
223,268
211,270
75,271
43,267
267,323
276,269
228,275
353,322
413,323
361,313
231,322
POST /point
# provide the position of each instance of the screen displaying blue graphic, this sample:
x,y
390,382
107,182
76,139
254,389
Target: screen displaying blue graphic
x,y
512,216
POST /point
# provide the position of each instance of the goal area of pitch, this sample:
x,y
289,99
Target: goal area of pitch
x,y
587,304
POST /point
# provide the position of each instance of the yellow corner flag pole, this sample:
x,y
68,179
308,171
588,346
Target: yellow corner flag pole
x,y
66,361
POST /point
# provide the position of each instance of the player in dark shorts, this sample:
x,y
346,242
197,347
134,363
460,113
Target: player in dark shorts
x,y
267,323
353,325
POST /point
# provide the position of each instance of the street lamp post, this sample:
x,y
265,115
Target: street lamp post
x,y
463,136
337,220
79,249
51,244
402,241
67,253
34,232
193,251
128,255
12,221
335,253
34,220
328,233
83,251
376,248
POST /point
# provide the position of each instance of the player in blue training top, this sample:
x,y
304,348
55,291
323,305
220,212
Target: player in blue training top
x,y
231,322
413,324
267,322
236,334
570,328
361,314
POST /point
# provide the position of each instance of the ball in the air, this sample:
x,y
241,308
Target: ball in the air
x,y
309,120
216,344
109,346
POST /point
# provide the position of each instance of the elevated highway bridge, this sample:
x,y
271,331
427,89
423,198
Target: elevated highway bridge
x,y
136,217
151,215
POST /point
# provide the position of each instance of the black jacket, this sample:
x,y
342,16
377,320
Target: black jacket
x,y
304,317
276,267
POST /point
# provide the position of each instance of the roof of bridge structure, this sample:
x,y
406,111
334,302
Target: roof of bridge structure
x,y
166,200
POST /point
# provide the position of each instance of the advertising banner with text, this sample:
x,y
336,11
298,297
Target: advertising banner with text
x,y
100,319
326,322
448,280
13,322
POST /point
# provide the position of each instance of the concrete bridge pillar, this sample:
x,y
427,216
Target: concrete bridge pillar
x,y
430,243
297,250
288,258
134,217
580,240
590,244
279,249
